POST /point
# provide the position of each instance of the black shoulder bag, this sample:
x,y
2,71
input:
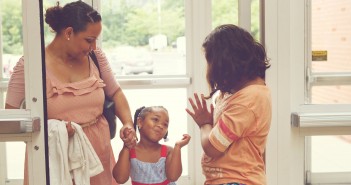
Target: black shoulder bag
x,y
109,105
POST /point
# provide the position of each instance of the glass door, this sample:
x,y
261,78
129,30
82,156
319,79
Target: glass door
x,y
154,48
20,36
324,115
329,70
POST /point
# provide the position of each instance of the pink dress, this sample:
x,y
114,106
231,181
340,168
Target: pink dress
x,y
80,102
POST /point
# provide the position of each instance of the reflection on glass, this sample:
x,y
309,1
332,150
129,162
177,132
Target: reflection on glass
x,y
144,37
175,101
331,153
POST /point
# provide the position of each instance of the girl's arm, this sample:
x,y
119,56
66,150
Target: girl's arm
x,y
208,148
122,168
204,119
174,162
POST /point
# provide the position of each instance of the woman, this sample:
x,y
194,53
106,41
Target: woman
x,y
74,89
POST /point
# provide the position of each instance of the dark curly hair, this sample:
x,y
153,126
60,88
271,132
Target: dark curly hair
x,y
233,58
75,14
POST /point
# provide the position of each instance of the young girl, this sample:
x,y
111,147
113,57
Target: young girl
x,y
234,130
150,162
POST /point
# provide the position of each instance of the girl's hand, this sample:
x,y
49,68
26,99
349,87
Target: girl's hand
x,y
128,136
200,114
184,141
70,129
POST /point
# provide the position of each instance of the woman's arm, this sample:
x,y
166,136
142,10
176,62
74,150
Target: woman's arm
x,y
122,111
114,91
174,162
122,168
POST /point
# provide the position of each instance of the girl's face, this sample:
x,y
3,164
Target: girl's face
x,y
155,125
82,43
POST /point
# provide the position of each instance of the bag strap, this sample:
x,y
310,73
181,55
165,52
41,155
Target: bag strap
x,y
93,57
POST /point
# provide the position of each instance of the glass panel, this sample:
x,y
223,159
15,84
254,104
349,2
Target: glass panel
x,y
331,153
11,49
331,95
15,152
224,12
255,19
144,37
174,100
331,34
11,44
330,51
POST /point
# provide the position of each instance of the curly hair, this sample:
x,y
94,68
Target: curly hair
x,y
233,58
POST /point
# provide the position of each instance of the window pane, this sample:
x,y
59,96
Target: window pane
x,y
175,101
11,153
227,11
331,34
144,37
331,153
330,45
11,34
15,153
331,95
255,19
224,12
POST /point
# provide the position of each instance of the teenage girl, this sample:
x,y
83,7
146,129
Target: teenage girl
x,y
150,162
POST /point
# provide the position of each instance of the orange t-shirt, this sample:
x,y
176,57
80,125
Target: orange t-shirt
x,y
242,121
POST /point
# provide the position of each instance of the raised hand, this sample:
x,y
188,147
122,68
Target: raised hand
x,y
184,141
200,113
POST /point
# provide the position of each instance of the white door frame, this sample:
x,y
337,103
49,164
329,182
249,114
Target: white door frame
x,y
34,96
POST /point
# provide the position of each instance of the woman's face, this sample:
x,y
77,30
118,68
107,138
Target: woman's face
x,y
83,42
155,125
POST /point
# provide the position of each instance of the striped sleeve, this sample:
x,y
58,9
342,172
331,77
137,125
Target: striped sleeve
x,y
233,124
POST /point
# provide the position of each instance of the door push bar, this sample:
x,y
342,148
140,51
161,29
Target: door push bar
x,y
18,126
